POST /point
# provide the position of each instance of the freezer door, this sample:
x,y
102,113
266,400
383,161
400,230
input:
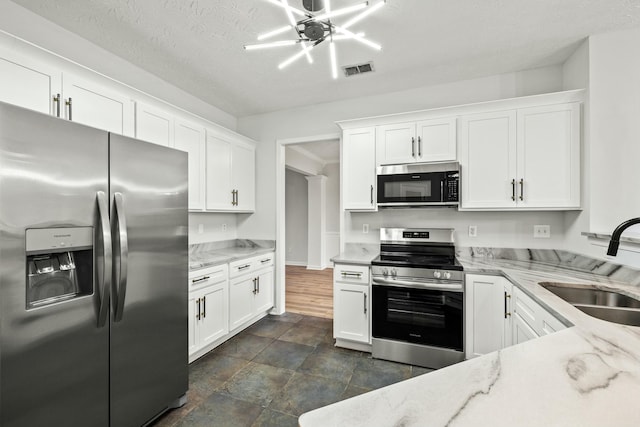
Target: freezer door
x,y
53,354
149,305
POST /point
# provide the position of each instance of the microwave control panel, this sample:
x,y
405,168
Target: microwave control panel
x,y
452,182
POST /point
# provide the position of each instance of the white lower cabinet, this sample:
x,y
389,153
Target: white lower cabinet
x,y
208,302
500,314
351,306
251,290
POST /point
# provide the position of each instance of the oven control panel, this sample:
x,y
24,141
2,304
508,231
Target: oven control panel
x,y
415,235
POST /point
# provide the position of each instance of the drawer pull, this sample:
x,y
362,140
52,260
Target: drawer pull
x,y
351,274
265,260
202,279
243,267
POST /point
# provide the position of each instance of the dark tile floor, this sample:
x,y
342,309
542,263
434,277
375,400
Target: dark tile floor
x,y
274,371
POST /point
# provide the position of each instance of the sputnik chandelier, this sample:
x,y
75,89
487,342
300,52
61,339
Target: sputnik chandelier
x,y
315,25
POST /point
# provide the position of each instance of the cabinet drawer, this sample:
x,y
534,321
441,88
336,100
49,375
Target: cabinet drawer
x,y
249,265
539,319
208,276
351,273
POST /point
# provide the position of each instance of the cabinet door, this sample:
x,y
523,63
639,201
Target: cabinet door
x,y
243,177
351,312
241,296
488,317
194,344
190,138
549,156
396,144
219,190
154,125
94,105
359,169
214,322
29,84
437,140
264,296
488,160
521,330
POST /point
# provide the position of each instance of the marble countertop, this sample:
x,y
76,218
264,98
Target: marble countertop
x,y
216,253
586,375
357,253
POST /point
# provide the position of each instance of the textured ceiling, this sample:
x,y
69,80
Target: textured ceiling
x,y
198,45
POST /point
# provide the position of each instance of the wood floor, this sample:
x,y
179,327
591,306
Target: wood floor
x,y
309,292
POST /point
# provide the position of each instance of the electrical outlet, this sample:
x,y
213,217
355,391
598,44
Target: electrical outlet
x,y
473,231
541,231
224,227
200,228
365,228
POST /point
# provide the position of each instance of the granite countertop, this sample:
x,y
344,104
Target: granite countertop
x,y
586,375
215,253
357,253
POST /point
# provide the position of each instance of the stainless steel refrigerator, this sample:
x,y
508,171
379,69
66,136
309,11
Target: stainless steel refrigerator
x,y
93,275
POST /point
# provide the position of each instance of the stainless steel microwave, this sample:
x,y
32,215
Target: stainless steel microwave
x,y
419,184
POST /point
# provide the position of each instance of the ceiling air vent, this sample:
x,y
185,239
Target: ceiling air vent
x,y
353,70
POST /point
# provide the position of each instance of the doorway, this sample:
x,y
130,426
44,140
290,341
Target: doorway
x,y
311,224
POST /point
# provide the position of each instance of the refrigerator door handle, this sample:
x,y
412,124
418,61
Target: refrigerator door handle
x,y
104,279
121,256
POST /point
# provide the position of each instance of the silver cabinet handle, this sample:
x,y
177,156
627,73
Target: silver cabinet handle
x,y
372,194
237,197
265,260
255,289
233,197
70,109
104,276
204,307
365,303
506,313
258,279
198,304
419,147
56,100
413,147
121,258
513,189
202,279
521,189
243,267
351,274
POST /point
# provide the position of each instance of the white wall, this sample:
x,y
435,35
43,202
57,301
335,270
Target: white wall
x,y
320,120
611,142
296,213
332,172
213,225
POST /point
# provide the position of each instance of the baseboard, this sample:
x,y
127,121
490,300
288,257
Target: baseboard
x,y
296,263
315,267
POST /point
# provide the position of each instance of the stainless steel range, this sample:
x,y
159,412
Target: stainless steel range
x,y
418,298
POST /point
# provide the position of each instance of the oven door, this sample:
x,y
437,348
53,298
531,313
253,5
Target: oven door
x,y
418,315
408,188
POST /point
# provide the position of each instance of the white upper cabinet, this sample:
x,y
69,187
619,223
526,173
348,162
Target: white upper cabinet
x,y
230,174
154,125
424,141
190,137
396,143
488,160
358,169
92,104
549,156
437,140
527,158
243,176
30,84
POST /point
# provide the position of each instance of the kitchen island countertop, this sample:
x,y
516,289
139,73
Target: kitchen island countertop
x,y
586,375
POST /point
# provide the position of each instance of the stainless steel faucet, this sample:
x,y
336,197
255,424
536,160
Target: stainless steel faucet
x,y
615,237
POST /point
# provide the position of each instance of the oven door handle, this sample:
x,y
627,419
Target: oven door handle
x,y
453,287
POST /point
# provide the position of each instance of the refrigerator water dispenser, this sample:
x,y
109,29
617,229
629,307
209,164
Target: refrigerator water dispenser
x,y
59,264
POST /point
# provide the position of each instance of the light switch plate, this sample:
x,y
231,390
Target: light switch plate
x,y
365,228
473,231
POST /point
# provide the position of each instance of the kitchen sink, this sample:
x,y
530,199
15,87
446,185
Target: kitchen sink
x,y
606,305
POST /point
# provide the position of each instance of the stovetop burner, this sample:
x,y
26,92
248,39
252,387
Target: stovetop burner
x,y
427,248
